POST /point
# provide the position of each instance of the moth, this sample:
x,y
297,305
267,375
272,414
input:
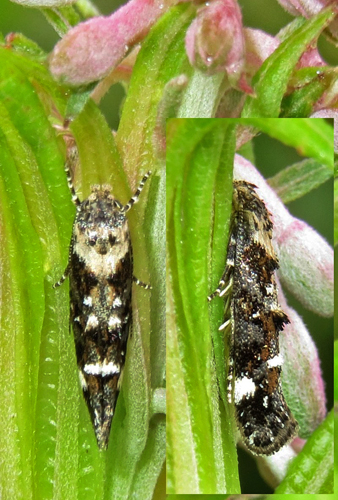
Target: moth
x,y
100,270
255,319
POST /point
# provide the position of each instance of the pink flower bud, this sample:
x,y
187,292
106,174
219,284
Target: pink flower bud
x,y
215,39
92,49
273,468
307,266
306,8
309,8
259,46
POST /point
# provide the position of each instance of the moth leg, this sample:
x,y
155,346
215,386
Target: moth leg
x,y
229,336
67,270
230,372
63,278
142,284
72,158
225,283
137,193
223,287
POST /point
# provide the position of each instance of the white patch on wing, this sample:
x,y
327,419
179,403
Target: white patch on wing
x,y
103,370
92,322
276,361
88,301
114,321
92,369
110,369
117,302
244,387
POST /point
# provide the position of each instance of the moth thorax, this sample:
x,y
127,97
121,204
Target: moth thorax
x,y
106,238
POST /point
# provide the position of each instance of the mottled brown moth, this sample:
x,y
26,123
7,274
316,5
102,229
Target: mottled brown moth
x,y
100,270
255,320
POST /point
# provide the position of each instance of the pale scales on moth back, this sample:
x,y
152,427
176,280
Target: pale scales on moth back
x,y
100,270
255,319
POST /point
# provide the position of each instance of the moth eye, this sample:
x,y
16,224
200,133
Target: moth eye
x,y
112,239
92,240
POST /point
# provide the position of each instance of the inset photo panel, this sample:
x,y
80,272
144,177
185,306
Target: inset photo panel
x,y
249,326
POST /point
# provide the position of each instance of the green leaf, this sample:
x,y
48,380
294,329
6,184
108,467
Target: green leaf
x,y
271,80
336,371
313,138
336,212
300,178
312,470
161,58
200,450
61,18
310,85
21,44
202,95
33,215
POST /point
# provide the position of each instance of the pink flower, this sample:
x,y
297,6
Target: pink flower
x,y
92,49
309,8
306,8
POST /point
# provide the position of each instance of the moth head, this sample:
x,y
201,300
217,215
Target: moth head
x,y
101,224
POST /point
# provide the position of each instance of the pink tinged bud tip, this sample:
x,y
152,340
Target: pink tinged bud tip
x,y
215,39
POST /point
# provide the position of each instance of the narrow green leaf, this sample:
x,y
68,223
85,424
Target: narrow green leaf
x,y
271,80
61,18
21,44
312,470
205,497
87,8
313,138
336,371
199,164
295,181
161,58
31,162
336,212
21,313
77,102
202,96
310,85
